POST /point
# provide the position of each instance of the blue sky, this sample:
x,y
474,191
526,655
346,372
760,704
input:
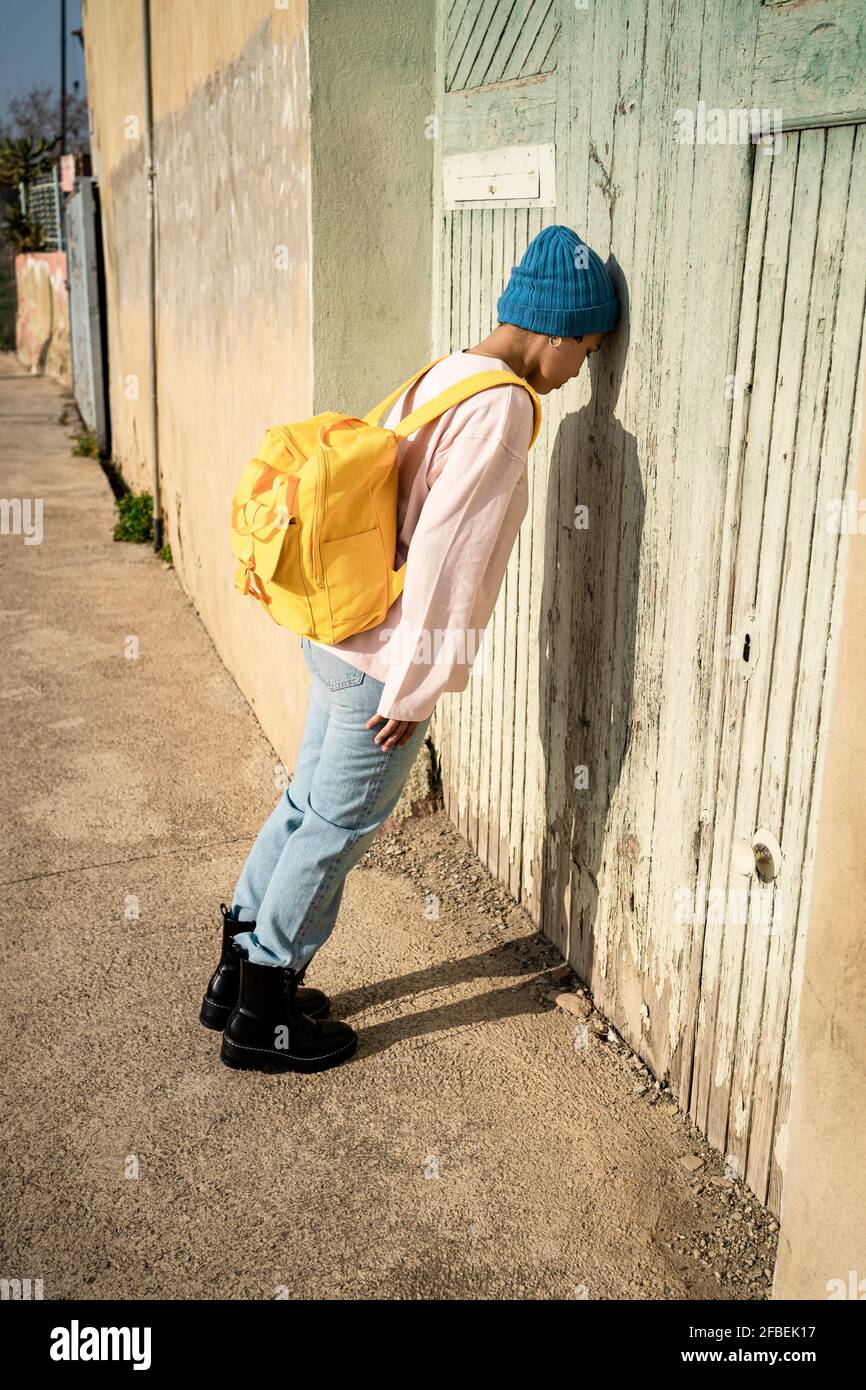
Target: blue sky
x,y
30,47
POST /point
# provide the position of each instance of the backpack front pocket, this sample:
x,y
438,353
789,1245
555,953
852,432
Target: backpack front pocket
x,y
356,575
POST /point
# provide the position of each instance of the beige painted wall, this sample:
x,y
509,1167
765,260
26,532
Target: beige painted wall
x,y
231,145
822,1237
372,196
279,292
42,314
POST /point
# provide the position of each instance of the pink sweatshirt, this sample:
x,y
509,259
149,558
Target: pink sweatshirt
x,y
462,495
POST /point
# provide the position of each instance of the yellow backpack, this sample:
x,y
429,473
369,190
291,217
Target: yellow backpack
x,y
314,515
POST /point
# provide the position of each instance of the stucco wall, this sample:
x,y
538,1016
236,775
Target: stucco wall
x,y
372,196
42,318
231,147
293,258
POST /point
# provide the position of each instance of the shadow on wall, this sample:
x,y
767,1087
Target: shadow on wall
x,y
587,652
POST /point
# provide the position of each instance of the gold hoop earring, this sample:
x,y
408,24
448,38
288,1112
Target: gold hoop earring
x,y
554,342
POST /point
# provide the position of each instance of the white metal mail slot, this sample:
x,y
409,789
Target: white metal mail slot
x,y
511,176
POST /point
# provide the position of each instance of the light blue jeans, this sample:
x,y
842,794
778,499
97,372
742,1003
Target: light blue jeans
x,y
344,787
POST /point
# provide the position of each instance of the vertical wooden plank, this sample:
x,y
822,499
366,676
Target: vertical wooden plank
x,y
830,557
521,637
614,839
467,697
546,753
606,552
489,787
782,298
791,772
609,481
459,702
645,844
767,729
534,822
699,423
531,830
727,691
510,635
740,321
573,102
460,269
778,1156
440,727
447,703
478,683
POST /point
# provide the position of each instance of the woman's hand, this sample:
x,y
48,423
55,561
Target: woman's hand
x,y
395,732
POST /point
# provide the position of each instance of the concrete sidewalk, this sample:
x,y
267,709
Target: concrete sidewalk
x,y
481,1143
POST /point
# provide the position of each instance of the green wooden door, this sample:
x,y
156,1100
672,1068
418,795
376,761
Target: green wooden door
x,y
616,753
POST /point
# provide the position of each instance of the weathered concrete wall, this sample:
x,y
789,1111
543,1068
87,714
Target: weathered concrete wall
x,y
42,322
280,291
822,1236
115,93
231,146
372,196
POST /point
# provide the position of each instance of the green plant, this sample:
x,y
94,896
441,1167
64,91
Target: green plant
x,y
21,232
24,159
165,554
21,161
86,445
134,517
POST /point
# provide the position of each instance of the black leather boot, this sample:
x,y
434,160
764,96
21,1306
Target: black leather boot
x,y
269,1031
222,992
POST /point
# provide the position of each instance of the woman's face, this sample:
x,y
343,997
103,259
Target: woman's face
x,y
557,365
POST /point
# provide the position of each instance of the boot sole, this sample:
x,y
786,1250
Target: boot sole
x,y
216,1016
243,1057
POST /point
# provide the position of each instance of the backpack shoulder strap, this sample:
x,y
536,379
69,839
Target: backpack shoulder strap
x,y
374,416
462,391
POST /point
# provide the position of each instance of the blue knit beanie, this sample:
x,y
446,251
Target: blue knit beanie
x,y
561,287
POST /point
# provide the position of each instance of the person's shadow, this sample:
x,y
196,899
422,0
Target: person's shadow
x,y
586,641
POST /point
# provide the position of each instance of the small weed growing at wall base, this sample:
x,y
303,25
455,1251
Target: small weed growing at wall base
x,y
134,517
86,445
